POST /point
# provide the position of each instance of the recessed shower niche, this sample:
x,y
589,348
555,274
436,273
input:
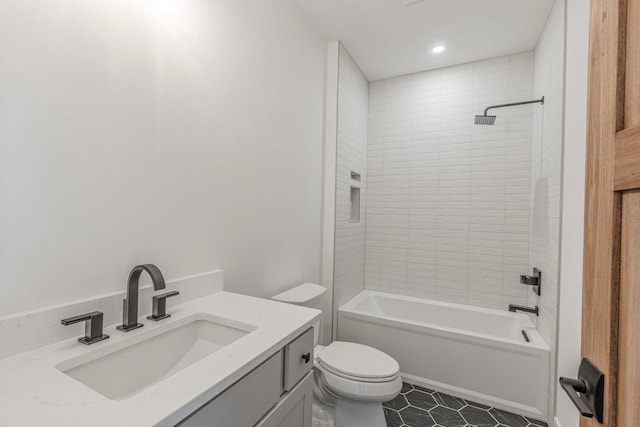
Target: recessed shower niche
x,y
354,199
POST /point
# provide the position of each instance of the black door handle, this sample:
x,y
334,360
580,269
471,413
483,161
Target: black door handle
x,y
572,387
306,358
586,392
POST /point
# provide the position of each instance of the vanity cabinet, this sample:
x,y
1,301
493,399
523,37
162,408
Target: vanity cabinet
x,y
294,409
278,393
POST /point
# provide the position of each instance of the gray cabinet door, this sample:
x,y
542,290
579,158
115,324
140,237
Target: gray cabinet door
x,y
245,402
294,409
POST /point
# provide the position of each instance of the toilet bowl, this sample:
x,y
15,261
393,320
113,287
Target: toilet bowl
x,y
350,380
354,380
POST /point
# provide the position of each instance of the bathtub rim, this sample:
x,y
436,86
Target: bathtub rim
x,y
537,344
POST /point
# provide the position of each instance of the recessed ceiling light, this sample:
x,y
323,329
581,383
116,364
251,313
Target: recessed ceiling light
x,y
438,49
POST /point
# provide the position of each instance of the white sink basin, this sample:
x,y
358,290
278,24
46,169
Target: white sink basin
x,y
126,368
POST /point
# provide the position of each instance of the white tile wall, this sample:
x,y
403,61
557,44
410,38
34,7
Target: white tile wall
x,y
448,202
546,165
353,93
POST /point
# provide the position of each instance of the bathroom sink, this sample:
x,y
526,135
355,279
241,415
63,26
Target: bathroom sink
x,y
124,370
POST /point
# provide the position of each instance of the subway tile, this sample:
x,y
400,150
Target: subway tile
x,y
445,197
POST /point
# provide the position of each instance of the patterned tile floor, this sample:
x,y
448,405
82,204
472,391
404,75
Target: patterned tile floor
x,y
420,407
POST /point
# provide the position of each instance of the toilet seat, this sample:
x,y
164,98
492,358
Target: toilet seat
x,y
357,390
358,362
358,372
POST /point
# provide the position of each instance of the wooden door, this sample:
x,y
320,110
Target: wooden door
x,y
611,288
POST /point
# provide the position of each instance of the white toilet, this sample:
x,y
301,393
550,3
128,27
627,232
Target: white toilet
x,y
351,380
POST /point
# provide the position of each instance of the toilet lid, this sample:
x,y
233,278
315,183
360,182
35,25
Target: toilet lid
x,y
357,360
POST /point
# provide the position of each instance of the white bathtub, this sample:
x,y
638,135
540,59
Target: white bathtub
x,y
475,353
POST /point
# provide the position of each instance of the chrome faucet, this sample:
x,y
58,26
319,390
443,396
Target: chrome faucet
x,y
130,304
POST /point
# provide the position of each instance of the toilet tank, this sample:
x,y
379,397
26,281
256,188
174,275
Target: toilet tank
x,y
307,295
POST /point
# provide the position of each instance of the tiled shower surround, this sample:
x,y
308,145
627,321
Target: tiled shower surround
x,y
449,202
353,96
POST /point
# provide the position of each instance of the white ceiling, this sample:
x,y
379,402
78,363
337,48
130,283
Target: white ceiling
x,y
387,39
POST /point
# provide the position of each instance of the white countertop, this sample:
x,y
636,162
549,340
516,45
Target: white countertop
x,y
34,393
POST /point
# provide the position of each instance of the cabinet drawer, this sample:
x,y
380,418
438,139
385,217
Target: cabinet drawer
x,y
298,359
246,401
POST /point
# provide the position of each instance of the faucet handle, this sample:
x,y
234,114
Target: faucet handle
x,y
535,280
159,309
92,327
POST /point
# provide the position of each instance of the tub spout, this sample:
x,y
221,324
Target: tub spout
x,y
514,308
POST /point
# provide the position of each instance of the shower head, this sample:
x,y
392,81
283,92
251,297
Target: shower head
x,y
485,120
491,120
